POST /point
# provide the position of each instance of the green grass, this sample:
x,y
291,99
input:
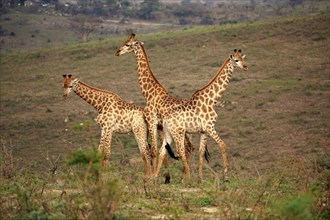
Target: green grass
x,y
83,189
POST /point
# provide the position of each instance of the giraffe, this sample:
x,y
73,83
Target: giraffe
x,y
199,116
158,100
114,116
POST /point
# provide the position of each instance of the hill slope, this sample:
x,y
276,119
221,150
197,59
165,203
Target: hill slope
x,y
278,109
285,90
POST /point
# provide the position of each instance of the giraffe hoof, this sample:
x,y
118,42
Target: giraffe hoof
x,y
167,178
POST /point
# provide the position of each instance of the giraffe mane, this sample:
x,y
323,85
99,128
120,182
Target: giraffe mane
x,y
132,38
99,90
148,66
214,78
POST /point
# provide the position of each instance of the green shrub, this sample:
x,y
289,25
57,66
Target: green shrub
x,y
299,207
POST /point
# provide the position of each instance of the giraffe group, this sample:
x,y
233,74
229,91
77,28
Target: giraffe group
x,y
164,115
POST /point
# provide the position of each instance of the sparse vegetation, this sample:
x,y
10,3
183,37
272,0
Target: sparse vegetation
x,y
61,23
81,190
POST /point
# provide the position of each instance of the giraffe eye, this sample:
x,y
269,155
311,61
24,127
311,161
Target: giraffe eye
x,y
127,45
236,61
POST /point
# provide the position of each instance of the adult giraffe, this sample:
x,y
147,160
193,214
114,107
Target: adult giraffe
x,y
115,116
158,100
199,116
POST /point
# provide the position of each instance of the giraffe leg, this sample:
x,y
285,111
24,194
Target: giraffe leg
x,y
178,136
140,134
188,146
167,174
202,145
105,146
223,149
145,153
153,137
152,121
162,154
146,161
167,140
101,147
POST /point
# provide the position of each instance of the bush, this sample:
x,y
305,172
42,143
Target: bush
x,y
299,207
83,192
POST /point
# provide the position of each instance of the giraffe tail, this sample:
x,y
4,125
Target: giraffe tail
x,y
207,154
170,152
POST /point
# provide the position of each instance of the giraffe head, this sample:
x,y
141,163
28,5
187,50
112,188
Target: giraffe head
x,y
68,84
238,60
128,46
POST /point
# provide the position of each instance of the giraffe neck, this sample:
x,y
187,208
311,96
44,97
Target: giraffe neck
x,y
149,85
213,91
93,96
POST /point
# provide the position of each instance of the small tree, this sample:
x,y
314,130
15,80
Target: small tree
x,y
147,7
294,3
277,6
207,20
84,25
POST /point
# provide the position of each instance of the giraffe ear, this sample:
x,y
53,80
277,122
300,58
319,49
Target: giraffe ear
x,y
140,42
231,57
243,56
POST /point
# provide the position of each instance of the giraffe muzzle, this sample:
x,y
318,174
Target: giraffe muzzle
x,y
118,53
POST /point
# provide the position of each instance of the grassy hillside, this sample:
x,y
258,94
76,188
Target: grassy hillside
x,y
275,124
47,29
31,27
